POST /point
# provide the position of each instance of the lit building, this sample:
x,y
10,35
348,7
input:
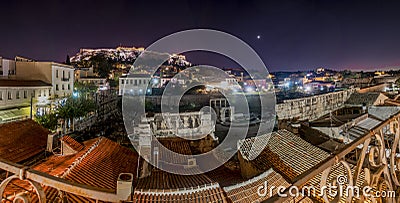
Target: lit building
x,y
7,67
135,84
60,76
87,76
16,95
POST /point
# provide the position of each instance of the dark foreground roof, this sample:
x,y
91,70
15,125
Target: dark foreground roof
x,y
22,140
23,83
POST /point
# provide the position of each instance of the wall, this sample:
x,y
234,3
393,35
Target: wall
x,y
309,108
46,72
375,88
34,71
7,67
64,79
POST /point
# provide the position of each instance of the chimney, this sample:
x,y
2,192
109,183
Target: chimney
x,y
50,142
124,185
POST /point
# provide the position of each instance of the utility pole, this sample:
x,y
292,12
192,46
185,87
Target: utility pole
x,y
31,106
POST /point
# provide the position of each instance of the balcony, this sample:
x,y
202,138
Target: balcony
x,y
65,79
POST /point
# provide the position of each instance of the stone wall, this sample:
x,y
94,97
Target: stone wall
x,y
375,88
309,108
247,169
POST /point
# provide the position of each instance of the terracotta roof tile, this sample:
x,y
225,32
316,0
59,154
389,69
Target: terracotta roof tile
x,y
72,143
103,161
287,154
21,140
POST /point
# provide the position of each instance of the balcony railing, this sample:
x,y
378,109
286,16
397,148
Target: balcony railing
x,y
376,165
39,179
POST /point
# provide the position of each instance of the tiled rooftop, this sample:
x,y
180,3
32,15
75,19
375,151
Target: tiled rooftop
x,y
72,143
101,162
287,154
383,112
22,140
368,98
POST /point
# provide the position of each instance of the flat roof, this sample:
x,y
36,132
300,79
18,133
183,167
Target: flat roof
x,y
23,83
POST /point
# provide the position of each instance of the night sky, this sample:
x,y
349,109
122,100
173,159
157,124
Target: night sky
x,y
294,35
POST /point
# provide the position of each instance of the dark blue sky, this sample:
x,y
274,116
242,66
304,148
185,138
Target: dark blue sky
x,y
295,35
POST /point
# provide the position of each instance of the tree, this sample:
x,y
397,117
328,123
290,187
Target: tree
x,y
68,60
85,88
75,107
48,121
101,65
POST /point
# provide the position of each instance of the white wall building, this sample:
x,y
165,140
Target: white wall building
x,y
7,67
135,84
87,76
60,76
16,95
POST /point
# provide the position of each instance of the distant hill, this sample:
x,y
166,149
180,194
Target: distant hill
x,y
123,56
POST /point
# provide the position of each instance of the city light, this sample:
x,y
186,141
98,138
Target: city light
x,y
75,94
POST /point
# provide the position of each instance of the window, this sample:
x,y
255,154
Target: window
x,y
40,93
135,82
49,93
69,87
44,92
63,75
62,86
56,73
9,95
1,95
17,94
69,75
57,87
25,93
122,81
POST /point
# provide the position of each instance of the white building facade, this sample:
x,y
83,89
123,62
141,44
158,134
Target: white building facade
x,y
7,67
16,97
60,76
135,84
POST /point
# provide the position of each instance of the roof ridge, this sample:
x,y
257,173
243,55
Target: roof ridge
x,y
79,159
249,181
